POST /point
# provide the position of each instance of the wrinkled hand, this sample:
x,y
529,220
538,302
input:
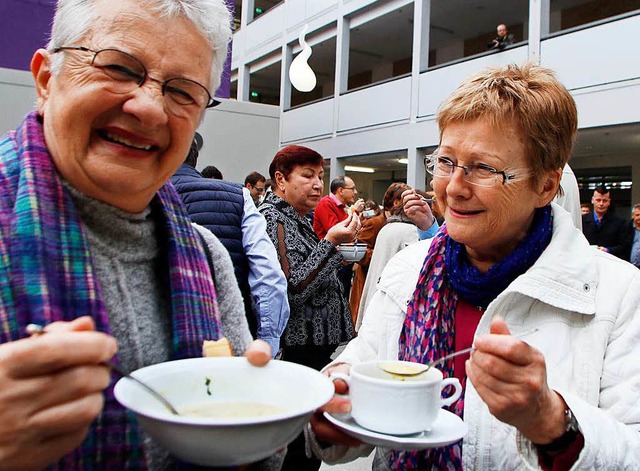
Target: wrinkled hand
x,y
511,378
51,391
324,430
417,210
258,353
344,231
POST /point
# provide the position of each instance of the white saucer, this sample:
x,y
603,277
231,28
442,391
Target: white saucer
x,y
447,429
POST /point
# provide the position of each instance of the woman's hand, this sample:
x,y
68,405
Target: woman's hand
x,y
258,353
50,392
324,430
417,210
511,378
344,231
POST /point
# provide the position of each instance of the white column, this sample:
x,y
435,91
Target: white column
x,y
420,58
538,19
415,168
342,66
243,82
248,8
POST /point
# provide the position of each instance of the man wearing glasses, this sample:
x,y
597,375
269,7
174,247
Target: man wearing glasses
x,y
334,207
254,182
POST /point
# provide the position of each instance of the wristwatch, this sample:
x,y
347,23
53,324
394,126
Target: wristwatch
x,y
570,419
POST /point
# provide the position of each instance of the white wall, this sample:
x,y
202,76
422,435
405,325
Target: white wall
x,y
239,137
17,97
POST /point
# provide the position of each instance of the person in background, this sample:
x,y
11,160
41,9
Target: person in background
x,y
398,232
635,247
255,183
96,247
334,208
320,318
585,208
227,210
373,219
502,40
604,229
553,381
210,171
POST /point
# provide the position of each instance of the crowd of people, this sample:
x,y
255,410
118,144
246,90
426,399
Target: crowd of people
x,y
124,251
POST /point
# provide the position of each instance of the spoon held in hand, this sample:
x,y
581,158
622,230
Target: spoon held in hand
x,y
36,329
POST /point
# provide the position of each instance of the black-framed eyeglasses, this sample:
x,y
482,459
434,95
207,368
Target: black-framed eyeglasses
x,y
476,174
257,188
126,73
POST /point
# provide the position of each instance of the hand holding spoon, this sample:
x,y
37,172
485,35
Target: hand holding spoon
x,y
414,369
36,329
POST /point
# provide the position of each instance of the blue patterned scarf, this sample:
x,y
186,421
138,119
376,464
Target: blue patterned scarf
x,y
46,275
428,332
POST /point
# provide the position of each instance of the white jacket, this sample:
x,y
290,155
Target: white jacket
x,y
581,308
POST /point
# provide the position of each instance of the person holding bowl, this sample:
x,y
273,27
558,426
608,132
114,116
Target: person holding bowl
x,y
320,319
95,245
554,378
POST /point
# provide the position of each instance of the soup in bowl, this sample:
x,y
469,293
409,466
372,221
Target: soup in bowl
x,y
231,412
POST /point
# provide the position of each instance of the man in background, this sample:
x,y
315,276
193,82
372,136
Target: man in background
x,y
635,247
602,228
254,182
227,210
502,40
334,207
210,171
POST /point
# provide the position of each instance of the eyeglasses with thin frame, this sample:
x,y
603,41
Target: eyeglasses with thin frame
x,y
126,73
352,188
477,174
258,189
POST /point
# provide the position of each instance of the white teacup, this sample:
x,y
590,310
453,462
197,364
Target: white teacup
x,y
393,404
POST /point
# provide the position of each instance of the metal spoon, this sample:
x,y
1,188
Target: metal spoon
x,y
403,369
36,329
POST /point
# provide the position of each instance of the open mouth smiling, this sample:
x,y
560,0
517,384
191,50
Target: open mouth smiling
x,y
117,139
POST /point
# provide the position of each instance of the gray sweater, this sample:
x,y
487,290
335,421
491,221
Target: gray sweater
x,y
131,272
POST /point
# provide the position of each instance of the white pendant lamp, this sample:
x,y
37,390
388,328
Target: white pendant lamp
x,y
300,74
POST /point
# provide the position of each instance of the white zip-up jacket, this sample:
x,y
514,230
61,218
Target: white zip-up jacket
x,y
581,308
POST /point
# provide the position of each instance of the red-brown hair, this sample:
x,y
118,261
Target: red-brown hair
x,y
290,157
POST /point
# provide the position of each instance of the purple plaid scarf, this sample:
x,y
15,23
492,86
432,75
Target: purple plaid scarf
x,y
429,327
46,275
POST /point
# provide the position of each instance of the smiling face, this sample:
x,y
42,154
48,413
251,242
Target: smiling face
x,y
302,189
489,221
121,148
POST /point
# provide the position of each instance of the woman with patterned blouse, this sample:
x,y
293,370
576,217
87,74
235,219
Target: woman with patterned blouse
x,y
320,319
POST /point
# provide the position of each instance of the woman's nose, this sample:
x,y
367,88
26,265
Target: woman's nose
x,y
148,104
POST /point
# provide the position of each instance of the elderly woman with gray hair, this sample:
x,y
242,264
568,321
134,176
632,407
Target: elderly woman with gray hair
x,y
554,380
95,245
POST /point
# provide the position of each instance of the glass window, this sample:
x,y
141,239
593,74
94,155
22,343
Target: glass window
x,y
237,14
260,7
567,14
463,28
373,56
264,85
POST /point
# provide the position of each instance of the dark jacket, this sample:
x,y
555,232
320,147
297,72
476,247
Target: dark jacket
x,y
218,205
612,232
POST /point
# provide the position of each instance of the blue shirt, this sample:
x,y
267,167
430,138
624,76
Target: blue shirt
x,y
429,233
635,249
266,279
